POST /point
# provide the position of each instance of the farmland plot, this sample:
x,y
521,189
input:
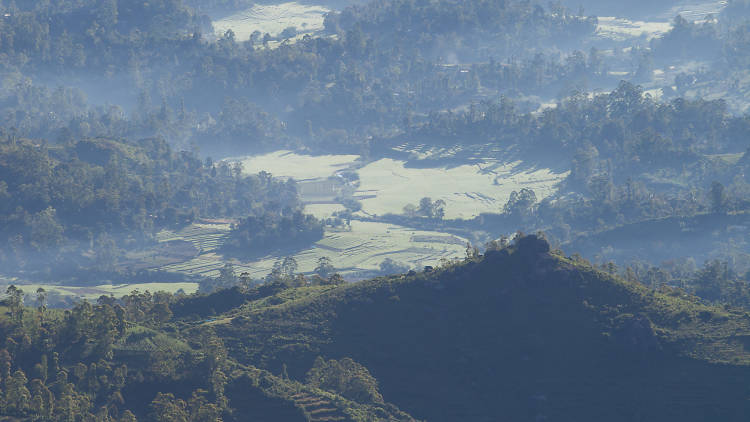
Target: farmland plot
x,y
621,29
467,190
272,19
300,167
385,186
359,249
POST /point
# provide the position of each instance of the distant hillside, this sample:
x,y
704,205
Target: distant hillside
x,y
520,334
701,237
631,9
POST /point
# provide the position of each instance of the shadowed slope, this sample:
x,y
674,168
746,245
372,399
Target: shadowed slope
x,y
521,334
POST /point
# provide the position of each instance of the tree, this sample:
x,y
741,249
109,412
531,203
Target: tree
x,y
718,196
345,377
42,402
425,207
472,252
166,408
227,276
161,313
713,280
410,210
237,169
218,383
255,37
46,231
105,256
41,301
288,32
324,267
289,267
438,209
128,416
201,410
601,188
520,204
389,266
17,396
246,281
336,280
15,302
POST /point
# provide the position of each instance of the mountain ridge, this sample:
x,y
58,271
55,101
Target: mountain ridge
x,y
522,331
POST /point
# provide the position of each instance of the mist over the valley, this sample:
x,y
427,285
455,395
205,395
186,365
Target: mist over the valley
x,y
219,194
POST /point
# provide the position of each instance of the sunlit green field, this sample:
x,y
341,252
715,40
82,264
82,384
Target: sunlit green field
x,y
362,248
468,190
385,186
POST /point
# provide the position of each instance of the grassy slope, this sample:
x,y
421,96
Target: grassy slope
x,y
514,337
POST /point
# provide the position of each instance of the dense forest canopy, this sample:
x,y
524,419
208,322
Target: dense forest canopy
x,y
93,193
458,28
175,76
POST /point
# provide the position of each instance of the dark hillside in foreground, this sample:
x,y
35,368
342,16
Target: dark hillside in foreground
x,y
521,334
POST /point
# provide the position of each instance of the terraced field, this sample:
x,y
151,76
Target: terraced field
x,y
360,249
204,236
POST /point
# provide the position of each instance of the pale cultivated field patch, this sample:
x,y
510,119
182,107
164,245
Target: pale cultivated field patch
x,y
620,29
323,210
696,11
272,19
296,166
467,190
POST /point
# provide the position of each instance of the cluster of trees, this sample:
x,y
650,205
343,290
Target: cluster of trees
x,y
736,12
345,377
625,127
122,360
284,274
521,204
716,282
722,41
609,139
66,34
437,27
688,40
269,232
332,92
427,208
99,195
64,366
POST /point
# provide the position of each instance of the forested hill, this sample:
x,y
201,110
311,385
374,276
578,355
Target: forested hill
x,y
445,27
521,332
73,205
